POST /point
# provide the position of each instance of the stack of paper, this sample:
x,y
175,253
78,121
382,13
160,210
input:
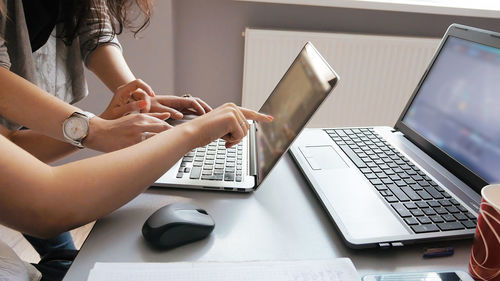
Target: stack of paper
x,y
310,270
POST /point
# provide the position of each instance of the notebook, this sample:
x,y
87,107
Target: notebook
x,y
340,269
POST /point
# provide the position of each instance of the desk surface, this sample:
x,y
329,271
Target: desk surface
x,y
282,220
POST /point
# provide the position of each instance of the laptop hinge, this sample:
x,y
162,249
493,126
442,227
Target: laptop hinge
x,y
252,151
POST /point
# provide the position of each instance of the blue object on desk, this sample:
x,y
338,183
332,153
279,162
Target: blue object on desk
x,y
438,252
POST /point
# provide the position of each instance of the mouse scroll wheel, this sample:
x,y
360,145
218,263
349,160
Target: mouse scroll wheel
x,y
202,211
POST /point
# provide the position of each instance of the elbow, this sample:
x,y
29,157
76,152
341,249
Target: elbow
x,y
47,233
48,230
52,222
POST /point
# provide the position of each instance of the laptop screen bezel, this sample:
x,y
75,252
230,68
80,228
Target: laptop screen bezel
x,y
469,177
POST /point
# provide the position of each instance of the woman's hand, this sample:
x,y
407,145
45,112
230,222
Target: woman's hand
x,y
133,97
179,106
138,97
228,122
110,135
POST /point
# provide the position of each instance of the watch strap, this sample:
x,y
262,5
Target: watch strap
x,y
89,115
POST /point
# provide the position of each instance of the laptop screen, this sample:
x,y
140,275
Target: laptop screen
x,y
292,103
457,107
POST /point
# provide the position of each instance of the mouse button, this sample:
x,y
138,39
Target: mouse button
x,y
161,217
194,217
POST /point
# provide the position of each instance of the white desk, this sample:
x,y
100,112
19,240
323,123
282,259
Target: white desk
x,y
281,221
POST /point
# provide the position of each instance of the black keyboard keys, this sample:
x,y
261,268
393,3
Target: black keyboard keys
x,y
357,161
424,228
411,221
420,202
450,226
469,224
401,210
410,193
398,193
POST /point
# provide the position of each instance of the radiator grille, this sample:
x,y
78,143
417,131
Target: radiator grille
x,y
377,73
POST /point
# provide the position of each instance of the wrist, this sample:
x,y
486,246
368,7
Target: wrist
x,y
190,134
105,115
96,126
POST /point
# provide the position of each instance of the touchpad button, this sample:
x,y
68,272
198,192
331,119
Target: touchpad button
x,y
323,157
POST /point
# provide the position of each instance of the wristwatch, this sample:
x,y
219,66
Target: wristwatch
x,y
76,127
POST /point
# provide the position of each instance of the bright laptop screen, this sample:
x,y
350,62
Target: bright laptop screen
x,y
457,107
302,89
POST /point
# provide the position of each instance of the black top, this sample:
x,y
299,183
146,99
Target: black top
x,y
41,18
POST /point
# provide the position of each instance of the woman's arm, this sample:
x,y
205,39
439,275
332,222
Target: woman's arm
x,y
26,104
102,54
48,150
45,149
107,63
43,201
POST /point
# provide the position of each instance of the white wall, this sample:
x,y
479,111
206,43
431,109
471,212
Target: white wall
x,y
209,45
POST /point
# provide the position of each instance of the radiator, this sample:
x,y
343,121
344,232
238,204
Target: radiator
x,y
378,74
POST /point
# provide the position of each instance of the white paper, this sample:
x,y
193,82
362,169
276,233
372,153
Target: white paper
x,y
308,270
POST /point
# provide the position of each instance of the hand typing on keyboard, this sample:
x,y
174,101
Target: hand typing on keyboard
x,y
228,122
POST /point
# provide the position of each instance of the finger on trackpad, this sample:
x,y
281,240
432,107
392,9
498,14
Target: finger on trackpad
x,y
323,157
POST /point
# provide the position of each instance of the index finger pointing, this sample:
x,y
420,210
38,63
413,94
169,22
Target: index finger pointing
x,y
254,115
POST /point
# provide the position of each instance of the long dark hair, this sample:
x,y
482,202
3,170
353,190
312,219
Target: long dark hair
x,y
119,12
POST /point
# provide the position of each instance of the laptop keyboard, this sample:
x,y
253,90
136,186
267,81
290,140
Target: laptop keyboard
x,y
213,162
415,197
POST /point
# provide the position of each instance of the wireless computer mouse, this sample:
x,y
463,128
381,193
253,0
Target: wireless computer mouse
x,y
177,224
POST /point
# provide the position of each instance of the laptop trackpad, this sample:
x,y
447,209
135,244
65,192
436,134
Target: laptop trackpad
x,y
323,157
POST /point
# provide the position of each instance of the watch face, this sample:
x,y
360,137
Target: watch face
x,y
75,128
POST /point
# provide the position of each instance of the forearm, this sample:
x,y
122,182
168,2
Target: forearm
x,y
30,106
26,104
56,199
107,63
45,149
41,200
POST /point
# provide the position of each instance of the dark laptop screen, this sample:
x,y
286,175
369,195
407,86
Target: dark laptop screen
x,y
292,103
457,107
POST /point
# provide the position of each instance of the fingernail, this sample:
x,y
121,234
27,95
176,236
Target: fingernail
x,y
153,92
143,104
270,117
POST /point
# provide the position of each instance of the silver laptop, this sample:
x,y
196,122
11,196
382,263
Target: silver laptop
x,y
242,168
421,180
